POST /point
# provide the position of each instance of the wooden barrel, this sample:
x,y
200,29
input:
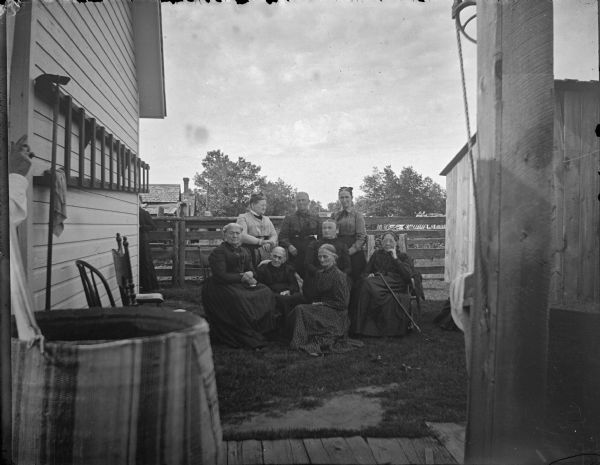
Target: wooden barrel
x,y
116,386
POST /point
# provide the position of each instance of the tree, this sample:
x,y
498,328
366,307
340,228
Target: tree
x,y
387,194
228,184
280,197
315,207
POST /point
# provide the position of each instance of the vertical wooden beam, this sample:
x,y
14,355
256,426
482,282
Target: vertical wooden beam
x,y
181,260
21,103
102,156
68,103
111,161
509,320
122,165
81,146
137,174
118,162
52,201
92,152
128,162
5,307
175,259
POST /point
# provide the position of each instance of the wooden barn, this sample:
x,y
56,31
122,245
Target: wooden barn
x,y
111,55
575,183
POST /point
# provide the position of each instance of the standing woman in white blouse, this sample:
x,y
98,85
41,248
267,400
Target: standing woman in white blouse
x,y
258,233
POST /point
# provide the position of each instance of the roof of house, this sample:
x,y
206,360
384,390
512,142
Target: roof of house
x,y
163,193
458,157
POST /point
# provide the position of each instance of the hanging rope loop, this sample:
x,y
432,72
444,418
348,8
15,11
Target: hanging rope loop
x,y
457,7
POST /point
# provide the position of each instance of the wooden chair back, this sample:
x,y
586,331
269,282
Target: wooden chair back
x,y
123,271
91,277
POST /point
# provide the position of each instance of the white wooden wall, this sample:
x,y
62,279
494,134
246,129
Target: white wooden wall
x,y
460,220
92,43
94,217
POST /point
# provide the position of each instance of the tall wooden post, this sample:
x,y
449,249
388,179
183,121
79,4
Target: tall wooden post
x,y
510,315
5,337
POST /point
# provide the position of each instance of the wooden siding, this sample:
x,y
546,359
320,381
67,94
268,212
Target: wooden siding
x,y
460,220
576,251
92,43
576,218
93,219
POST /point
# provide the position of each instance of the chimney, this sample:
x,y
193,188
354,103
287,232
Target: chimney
x,y
186,187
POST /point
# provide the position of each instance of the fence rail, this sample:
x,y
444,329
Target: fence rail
x,y
181,245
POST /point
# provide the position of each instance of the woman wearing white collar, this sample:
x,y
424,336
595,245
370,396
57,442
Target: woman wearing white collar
x,y
258,233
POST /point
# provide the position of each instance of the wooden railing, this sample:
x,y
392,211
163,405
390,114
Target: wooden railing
x,y
180,246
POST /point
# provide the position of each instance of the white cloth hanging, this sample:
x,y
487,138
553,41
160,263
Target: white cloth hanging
x,y
21,303
461,317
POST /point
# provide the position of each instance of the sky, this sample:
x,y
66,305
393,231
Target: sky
x,y
318,93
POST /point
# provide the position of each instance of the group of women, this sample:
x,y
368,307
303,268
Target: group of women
x,y
315,288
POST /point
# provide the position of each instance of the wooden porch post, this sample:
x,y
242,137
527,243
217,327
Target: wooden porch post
x,y
510,315
5,337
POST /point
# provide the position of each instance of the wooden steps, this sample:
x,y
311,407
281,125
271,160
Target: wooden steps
x,y
352,450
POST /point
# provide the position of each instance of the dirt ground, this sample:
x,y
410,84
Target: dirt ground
x,y
346,410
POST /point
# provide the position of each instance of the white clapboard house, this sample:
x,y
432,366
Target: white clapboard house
x,y
111,55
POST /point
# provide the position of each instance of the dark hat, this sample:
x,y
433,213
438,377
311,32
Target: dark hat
x,y
257,197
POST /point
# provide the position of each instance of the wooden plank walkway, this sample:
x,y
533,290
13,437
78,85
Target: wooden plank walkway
x,y
353,450
452,436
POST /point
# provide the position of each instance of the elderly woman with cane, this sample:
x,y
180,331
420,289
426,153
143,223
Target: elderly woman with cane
x,y
383,299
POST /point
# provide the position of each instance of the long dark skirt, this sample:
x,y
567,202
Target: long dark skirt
x,y
148,281
239,316
377,313
359,263
317,328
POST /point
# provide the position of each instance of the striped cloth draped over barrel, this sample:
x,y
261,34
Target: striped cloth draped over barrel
x,y
149,400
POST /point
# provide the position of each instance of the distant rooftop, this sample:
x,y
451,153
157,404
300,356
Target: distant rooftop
x,y
161,193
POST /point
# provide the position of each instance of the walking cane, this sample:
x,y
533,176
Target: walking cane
x,y
399,303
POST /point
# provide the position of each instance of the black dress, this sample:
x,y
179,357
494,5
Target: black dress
x,y
299,230
377,312
279,279
148,281
312,265
323,327
238,315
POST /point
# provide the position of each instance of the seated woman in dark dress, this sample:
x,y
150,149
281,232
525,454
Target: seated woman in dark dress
x,y
323,325
312,264
280,277
378,313
240,311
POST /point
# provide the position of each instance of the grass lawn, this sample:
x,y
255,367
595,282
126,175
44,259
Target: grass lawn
x,y
429,371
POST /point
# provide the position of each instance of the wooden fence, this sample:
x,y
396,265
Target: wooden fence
x,y
181,245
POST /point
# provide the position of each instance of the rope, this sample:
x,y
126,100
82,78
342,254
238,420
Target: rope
x,y
472,164
594,152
